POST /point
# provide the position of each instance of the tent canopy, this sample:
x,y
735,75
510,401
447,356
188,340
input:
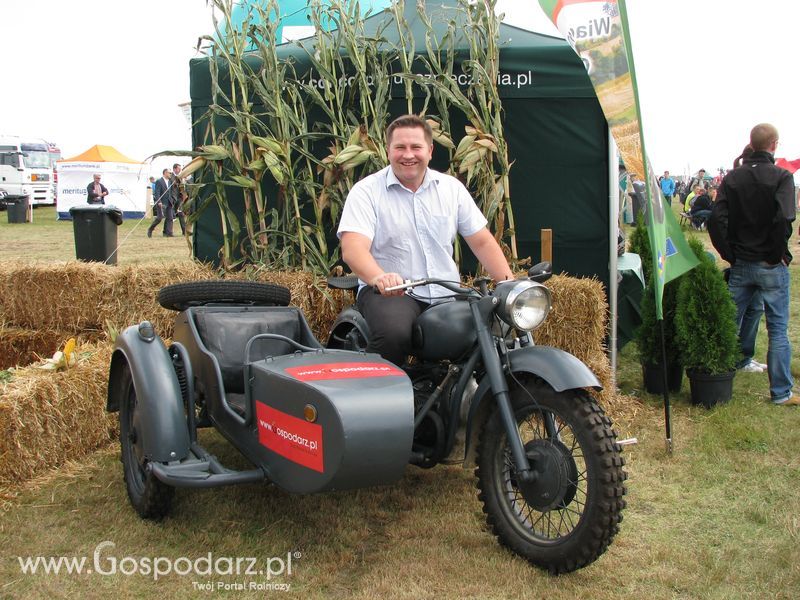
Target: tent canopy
x,y
555,129
125,179
98,153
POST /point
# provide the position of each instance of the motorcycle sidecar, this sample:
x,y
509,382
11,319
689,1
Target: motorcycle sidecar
x,y
308,418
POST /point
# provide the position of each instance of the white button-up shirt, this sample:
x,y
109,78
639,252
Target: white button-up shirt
x,y
412,233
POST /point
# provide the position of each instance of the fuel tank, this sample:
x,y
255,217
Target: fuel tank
x,y
332,420
444,331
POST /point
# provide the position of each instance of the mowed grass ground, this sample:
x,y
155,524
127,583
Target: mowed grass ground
x,y
48,239
717,518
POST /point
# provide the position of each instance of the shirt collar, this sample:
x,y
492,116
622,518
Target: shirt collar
x,y
430,175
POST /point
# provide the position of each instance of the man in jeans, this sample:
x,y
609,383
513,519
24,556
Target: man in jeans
x,y
750,226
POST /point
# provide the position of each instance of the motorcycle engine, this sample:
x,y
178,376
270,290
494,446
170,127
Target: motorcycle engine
x,y
431,434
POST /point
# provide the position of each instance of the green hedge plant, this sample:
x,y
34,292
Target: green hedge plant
x,y
705,318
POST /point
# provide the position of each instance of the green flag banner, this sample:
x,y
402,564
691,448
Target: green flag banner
x,y
598,32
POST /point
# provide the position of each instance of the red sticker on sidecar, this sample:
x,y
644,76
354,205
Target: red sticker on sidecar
x,y
293,438
355,370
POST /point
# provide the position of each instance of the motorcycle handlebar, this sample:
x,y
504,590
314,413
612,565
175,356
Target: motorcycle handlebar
x,y
449,285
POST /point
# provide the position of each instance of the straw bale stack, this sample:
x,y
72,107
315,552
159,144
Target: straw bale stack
x,y
47,417
62,297
577,324
87,297
20,347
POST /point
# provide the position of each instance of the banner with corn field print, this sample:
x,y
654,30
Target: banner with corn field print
x,y
598,32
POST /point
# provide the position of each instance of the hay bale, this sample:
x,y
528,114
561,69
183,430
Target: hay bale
x,y
63,297
87,298
47,418
21,347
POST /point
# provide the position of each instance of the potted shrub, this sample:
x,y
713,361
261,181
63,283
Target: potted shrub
x,y
648,340
648,334
705,321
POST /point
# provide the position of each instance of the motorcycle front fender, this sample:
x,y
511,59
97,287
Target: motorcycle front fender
x,y
560,369
161,421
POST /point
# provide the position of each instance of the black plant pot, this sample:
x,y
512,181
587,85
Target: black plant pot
x,y
710,390
653,376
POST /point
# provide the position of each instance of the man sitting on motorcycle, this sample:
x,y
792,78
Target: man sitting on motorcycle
x,y
400,223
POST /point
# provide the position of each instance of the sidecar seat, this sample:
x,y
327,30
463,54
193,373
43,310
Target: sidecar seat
x,y
225,334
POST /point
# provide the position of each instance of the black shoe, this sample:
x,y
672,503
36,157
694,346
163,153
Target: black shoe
x,y
167,235
149,233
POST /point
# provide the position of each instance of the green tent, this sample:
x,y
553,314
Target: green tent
x,y
556,133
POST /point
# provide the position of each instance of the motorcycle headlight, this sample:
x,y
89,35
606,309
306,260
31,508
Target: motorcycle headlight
x,y
523,304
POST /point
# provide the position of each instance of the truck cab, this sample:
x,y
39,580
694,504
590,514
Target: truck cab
x,y
25,169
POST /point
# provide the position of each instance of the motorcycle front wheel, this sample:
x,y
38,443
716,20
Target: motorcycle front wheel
x,y
568,516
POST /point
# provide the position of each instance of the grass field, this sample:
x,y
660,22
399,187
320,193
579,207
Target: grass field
x,y
48,239
717,518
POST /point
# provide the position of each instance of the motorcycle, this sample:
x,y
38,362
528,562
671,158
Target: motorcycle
x,y
476,391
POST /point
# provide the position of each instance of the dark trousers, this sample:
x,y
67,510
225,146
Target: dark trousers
x,y
163,213
181,218
390,319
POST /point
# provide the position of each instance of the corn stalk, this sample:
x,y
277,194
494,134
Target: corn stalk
x,y
275,130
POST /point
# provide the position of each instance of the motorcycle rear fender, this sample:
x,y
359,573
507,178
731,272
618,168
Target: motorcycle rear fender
x,y
161,419
349,317
560,369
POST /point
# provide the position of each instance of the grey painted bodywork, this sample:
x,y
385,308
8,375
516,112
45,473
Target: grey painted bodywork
x,y
366,423
160,419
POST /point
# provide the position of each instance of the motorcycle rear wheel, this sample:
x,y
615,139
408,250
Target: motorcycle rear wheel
x,y
568,517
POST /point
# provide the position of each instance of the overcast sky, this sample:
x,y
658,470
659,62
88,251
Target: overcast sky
x,y
113,72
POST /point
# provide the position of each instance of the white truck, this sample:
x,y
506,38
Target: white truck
x,y
25,169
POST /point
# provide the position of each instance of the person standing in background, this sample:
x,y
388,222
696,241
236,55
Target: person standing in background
x,y
162,204
177,196
96,191
699,179
750,226
667,187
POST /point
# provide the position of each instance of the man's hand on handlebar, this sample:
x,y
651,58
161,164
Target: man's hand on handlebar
x,y
386,280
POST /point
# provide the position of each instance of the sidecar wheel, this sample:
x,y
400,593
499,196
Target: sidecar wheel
x,y
151,498
566,518
180,296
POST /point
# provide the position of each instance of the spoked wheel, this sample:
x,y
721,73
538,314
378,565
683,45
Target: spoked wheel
x,y
569,515
151,498
180,296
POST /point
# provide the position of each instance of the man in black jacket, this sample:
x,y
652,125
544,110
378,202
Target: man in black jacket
x,y
750,226
96,191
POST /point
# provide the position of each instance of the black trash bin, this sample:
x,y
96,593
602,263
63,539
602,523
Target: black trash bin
x,y
95,230
17,208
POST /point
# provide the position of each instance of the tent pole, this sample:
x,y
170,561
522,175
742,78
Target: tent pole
x,y
613,233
